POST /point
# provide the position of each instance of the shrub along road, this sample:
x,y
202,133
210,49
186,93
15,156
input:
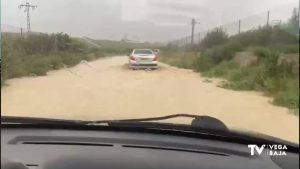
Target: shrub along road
x,y
107,89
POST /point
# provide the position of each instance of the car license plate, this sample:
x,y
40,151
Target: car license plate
x,y
144,60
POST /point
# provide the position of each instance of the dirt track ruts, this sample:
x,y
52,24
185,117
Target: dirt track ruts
x,y
107,89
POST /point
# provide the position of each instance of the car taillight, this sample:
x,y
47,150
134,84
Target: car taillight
x,y
155,58
132,57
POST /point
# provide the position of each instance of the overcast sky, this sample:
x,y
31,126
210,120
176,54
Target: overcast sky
x,y
146,20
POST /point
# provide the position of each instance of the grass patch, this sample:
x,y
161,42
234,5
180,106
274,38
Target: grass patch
x,y
221,69
179,59
274,80
289,96
36,54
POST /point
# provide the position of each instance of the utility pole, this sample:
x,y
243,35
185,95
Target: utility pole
x,y
268,18
27,7
194,22
299,18
21,32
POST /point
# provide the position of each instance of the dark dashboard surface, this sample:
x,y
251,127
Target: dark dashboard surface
x,y
75,149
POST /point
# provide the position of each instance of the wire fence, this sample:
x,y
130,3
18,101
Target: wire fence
x,y
13,30
272,17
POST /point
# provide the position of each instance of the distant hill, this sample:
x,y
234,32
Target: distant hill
x,y
125,44
15,30
12,29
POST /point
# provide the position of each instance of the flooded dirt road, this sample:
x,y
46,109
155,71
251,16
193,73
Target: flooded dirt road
x,y
107,89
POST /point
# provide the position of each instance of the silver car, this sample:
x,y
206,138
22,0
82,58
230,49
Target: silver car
x,y
143,59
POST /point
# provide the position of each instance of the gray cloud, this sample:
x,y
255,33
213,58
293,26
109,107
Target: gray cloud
x,y
176,6
149,20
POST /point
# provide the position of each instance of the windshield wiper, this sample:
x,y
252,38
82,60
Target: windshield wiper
x,y
154,118
197,122
36,120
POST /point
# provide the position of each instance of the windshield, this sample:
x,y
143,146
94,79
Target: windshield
x,y
234,60
143,51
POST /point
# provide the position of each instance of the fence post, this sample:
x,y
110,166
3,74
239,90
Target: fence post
x,y
186,40
239,26
55,43
21,32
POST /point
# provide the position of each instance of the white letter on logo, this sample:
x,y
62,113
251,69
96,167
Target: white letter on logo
x,y
251,146
259,150
284,147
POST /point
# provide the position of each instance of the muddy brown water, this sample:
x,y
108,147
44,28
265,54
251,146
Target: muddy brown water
x,y
107,89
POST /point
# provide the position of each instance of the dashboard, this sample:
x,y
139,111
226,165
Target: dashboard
x,y
31,148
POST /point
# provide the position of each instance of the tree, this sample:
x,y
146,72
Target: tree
x,y
293,23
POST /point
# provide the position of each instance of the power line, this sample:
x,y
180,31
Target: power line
x,y
27,7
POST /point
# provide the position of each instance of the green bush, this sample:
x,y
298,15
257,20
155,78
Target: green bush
x,y
270,58
289,97
265,36
216,55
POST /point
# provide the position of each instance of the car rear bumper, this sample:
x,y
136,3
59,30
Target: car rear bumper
x,y
143,66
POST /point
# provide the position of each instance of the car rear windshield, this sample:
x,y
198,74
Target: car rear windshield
x,y
143,51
